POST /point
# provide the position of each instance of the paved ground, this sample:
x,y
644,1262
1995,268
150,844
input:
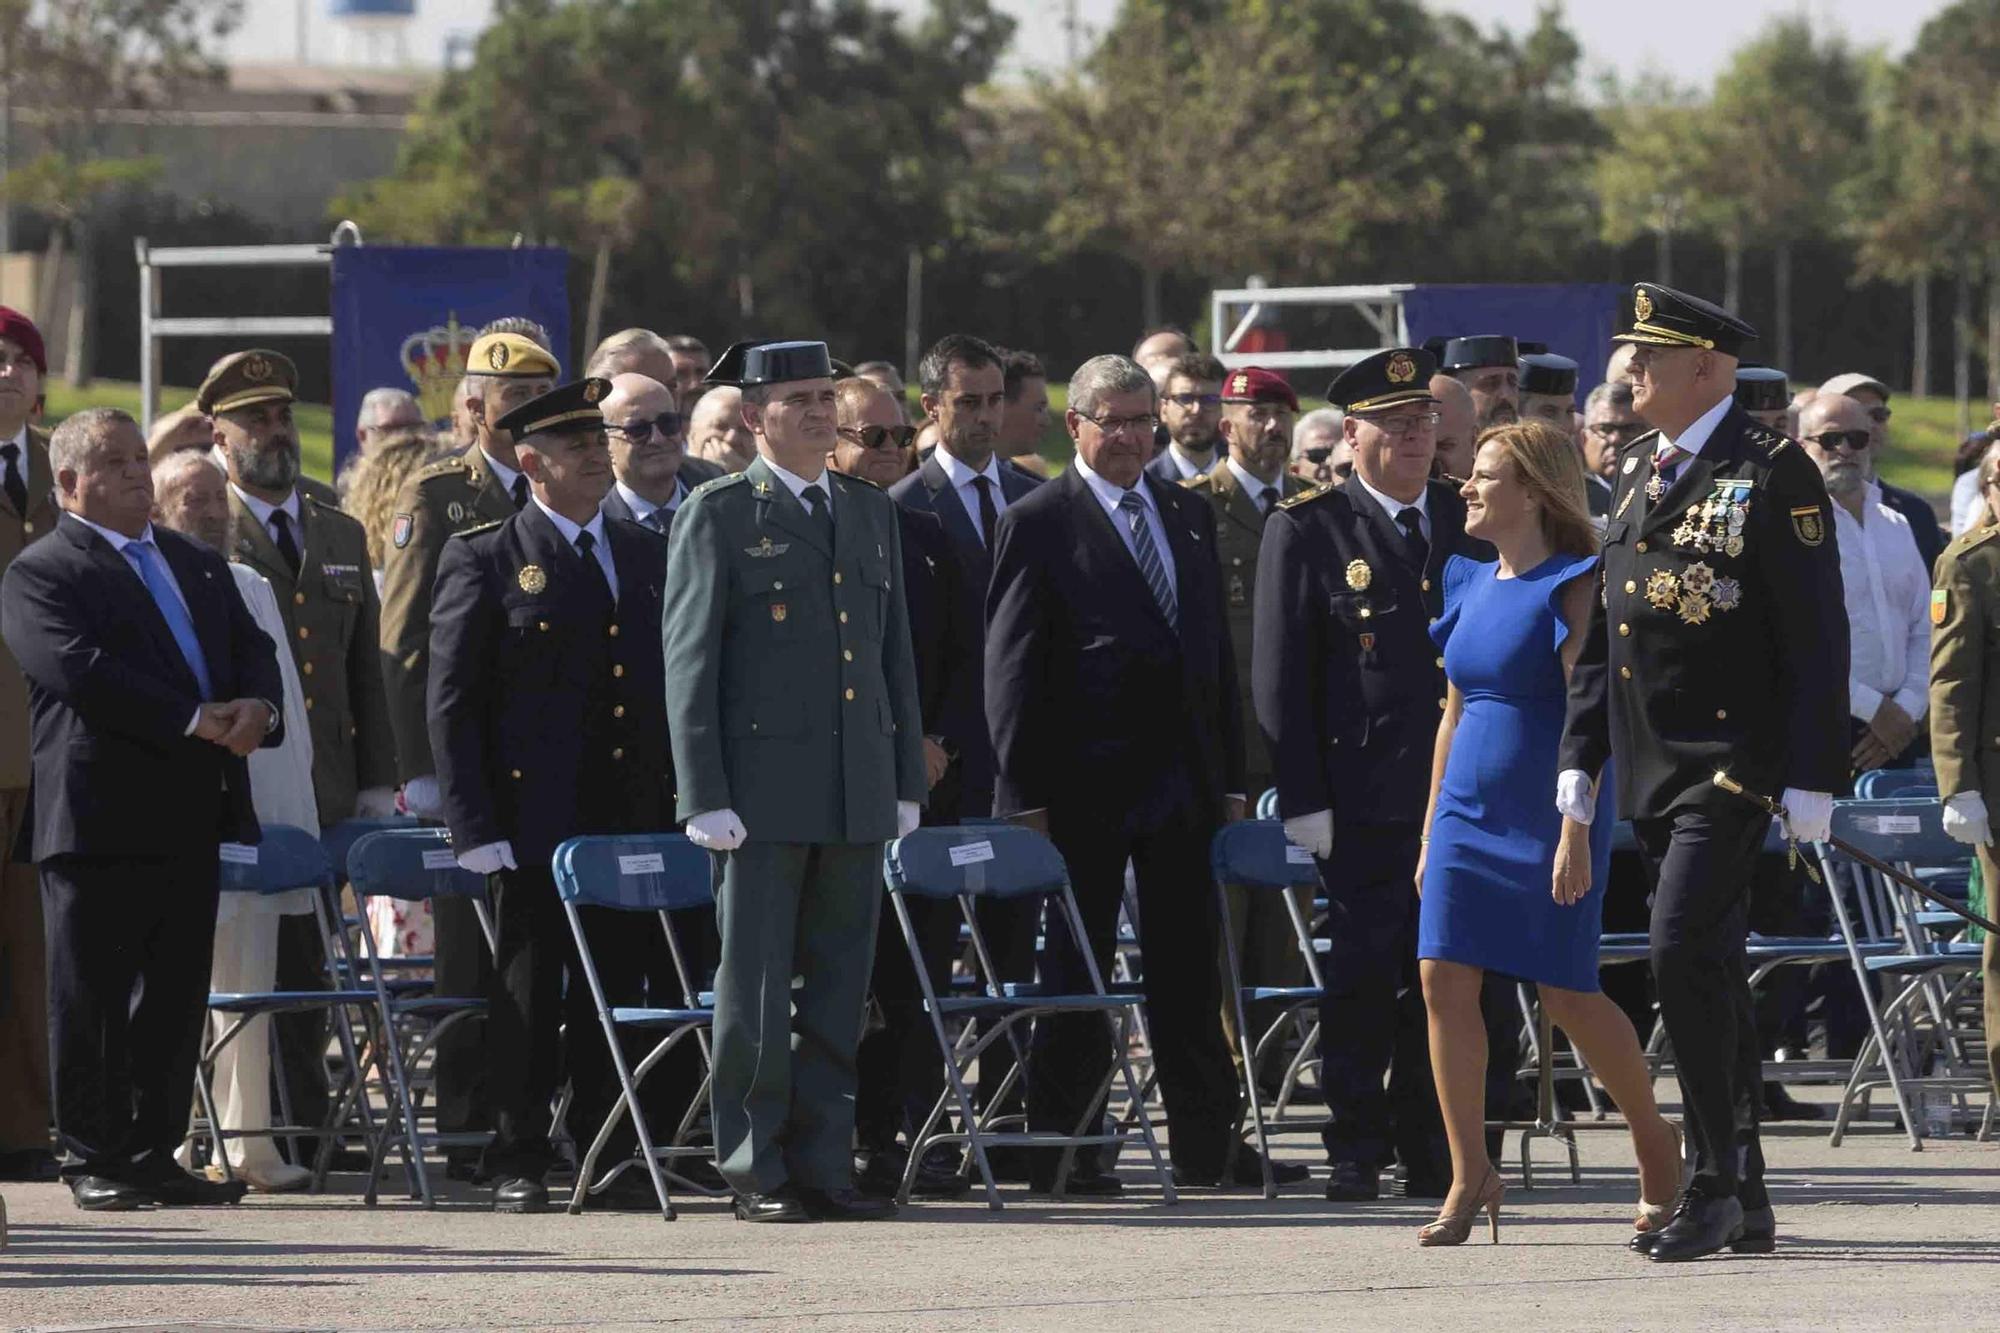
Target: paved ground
x,y
1871,1235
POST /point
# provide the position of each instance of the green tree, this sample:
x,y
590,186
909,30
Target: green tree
x,y
1651,171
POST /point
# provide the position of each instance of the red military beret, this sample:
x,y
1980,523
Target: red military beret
x,y
1254,384
18,328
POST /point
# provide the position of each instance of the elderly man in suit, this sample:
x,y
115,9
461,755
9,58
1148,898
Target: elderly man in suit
x,y
148,684
1111,697
27,511
649,459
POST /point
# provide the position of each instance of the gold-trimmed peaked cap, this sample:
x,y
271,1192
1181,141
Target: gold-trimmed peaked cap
x,y
1386,379
1663,317
511,357
243,379
562,410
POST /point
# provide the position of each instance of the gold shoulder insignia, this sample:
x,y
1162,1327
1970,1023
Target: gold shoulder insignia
x,y
1201,481
847,477
1294,501
442,467
478,528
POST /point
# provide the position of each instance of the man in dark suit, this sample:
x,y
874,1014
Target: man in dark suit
x,y
1720,642
1348,690
148,684
1191,414
1111,697
649,457
966,486
547,721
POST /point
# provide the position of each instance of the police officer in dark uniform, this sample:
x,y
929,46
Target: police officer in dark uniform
x,y
547,721
1719,642
1765,393
1348,687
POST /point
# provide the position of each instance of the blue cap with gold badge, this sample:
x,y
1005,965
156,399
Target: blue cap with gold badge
x,y
1663,317
747,364
562,410
1398,375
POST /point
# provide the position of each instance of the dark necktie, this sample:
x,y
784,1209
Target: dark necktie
x,y
820,512
1265,499
1148,556
520,490
17,489
586,546
988,515
281,535
658,520
1412,524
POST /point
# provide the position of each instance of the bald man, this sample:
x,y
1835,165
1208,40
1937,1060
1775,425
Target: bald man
x,y
648,453
1457,429
716,433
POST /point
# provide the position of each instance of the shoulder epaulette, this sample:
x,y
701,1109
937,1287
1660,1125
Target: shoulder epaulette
x,y
1303,497
1772,442
442,467
722,482
849,476
1645,438
478,528
1201,481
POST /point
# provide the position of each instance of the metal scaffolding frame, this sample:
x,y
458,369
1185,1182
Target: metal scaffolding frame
x,y
1381,305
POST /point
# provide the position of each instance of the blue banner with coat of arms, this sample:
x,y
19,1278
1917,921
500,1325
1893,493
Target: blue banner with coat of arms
x,y
405,316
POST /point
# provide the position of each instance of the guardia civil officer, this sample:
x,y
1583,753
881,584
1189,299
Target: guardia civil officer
x,y
1719,641
1348,688
546,721
1765,392
793,701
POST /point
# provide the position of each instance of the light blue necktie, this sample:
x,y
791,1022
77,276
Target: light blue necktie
x,y
160,582
1148,557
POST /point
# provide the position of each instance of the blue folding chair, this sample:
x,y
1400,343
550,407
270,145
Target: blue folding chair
x,y
1887,784
286,859
411,864
1256,856
966,864
659,873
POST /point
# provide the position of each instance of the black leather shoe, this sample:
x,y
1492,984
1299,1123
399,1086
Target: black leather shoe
x,y
519,1194
780,1205
1085,1182
1246,1172
1779,1104
1701,1226
878,1172
1352,1182
171,1187
1760,1232
100,1194
463,1168
938,1176
845,1205
30,1166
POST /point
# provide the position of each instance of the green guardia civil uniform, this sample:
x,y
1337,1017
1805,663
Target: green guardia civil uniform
x,y
792,700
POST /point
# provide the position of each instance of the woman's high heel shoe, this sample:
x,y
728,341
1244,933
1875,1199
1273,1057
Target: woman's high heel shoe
x,y
1454,1228
1653,1216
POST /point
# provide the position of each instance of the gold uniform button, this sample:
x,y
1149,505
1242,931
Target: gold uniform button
x,y
618,669
619,711
1440,661
1624,630
299,598
309,703
1640,547
1440,704
517,775
847,654
836,576
1625,673
1722,715
306,668
542,625
614,631
305,632
1630,586
618,752
843,617
1427,585
848,694
1237,561
27,527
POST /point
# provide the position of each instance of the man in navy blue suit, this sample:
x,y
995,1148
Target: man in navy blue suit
x,y
148,685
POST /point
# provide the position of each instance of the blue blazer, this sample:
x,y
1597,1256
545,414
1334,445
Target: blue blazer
x,y
110,697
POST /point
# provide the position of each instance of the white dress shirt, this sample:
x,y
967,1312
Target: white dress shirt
x,y
1392,506
1187,467
1967,503
262,510
797,486
502,471
1888,601
641,507
961,476
1254,487
1110,496
600,549
1696,435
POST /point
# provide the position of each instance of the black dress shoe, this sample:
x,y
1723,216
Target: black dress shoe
x,y
1701,1226
519,1194
1779,1104
1247,1171
30,1166
101,1194
845,1205
1352,1182
1085,1182
938,1176
878,1172
171,1187
780,1205
1760,1232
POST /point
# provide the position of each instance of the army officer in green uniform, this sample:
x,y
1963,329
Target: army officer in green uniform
x,y
792,706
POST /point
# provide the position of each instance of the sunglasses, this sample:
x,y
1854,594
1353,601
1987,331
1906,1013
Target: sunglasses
x,y
1319,455
667,423
879,437
1854,440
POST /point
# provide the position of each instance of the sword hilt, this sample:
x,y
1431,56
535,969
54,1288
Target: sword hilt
x,y
1775,808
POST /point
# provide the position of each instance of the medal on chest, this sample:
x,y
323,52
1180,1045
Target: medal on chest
x,y
1718,522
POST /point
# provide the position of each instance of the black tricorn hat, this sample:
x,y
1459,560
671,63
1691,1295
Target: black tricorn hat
x,y
1547,372
747,364
1762,389
1477,351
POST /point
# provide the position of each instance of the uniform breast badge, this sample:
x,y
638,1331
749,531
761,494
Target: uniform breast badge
x,y
1359,576
777,613
532,579
1717,523
1697,582
1663,590
767,548
1625,501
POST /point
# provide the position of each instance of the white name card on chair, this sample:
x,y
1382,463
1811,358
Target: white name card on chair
x,y
1296,855
1892,823
971,853
238,854
650,863
440,858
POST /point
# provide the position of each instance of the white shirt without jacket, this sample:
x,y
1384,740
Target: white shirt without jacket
x,y
1888,600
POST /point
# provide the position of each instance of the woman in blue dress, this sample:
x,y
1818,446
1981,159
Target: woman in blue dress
x,y
1508,884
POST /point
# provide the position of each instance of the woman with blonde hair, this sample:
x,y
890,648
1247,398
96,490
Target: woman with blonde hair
x,y
1508,884
378,478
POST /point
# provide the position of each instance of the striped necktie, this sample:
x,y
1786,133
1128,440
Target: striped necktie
x,y
1148,556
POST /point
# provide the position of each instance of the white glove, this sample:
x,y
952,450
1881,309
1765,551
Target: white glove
x,y
375,803
1808,814
1574,797
487,860
908,815
1314,832
716,831
1965,819
422,798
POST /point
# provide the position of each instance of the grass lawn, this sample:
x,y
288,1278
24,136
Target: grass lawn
x,y
315,422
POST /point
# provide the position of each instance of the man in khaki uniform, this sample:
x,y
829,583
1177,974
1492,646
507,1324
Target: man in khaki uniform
x,y
503,370
1965,707
1259,410
27,510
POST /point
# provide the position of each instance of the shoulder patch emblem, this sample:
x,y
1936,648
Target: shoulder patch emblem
x,y
1938,606
1809,525
399,534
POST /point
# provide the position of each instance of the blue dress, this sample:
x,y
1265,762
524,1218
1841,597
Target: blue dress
x,y
1493,839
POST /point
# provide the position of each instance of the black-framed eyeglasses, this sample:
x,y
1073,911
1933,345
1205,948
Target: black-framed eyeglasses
x,y
1203,401
1855,440
1113,425
878,437
668,424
